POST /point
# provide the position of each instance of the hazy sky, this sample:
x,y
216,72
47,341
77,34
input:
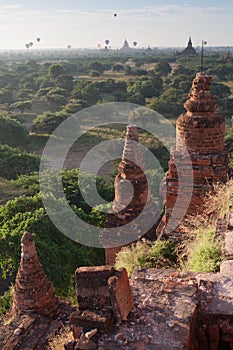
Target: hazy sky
x,y
87,23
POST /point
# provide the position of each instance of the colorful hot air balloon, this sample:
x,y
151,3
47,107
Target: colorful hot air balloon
x,y
99,46
68,46
31,43
115,14
135,43
27,46
38,40
107,42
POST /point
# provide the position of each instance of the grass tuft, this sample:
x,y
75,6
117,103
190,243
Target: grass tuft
x,y
204,253
146,254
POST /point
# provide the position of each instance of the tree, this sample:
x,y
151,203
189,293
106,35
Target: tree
x,y
65,81
96,65
146,87
128,70
14,162
48,122
162,69
6,96
74,106
58,91
26,213
220,90
86,91
144,116
95,73
12,132
118,67
57,100
22,105
55,70
136,98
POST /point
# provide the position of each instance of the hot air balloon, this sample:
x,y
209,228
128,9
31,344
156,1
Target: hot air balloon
x,y
31,43
27,46
68,46
38,40
115,14
107,42
135,43
98,45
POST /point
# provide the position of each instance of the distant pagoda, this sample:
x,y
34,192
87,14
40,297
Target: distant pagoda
x,y
126,46
189,50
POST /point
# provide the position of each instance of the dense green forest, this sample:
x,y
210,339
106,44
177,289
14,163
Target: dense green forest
x,y
36,96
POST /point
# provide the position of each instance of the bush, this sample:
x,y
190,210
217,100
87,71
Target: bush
x,y
131,256
48,122
58,255
14,162
6,301
204,253
160,252
12,132
95,73
146,254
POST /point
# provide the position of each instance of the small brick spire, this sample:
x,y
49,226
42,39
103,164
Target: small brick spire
x,y
201,101
131,152
32,291
132,197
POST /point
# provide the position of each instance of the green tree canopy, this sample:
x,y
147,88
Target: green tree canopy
x,y
12,132
47,122
22,106
55,70
14,162
162,68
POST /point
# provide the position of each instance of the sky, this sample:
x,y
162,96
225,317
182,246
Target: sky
x,y
88,23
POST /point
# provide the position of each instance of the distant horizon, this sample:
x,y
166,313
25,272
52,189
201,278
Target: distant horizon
x,y
115,49
88,24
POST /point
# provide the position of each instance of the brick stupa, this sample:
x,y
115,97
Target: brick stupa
x,y
200,134
32,291
132,205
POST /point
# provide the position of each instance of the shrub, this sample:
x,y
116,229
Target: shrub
x,y
47,122
14,162
146,254
95,73
204,253
59,255
160,252
6,301
12,132
131,257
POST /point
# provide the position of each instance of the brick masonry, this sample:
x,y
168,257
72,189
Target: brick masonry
x,y
103,294
167,309
200,149
132,204
32,291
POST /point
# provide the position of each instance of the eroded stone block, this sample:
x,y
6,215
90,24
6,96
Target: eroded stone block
x,y
121,295
92,287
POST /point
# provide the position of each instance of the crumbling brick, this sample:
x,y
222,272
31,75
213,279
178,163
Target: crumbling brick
x,y
133,213
200,132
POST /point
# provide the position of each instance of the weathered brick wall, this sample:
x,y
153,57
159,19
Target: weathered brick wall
x,y
200,150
